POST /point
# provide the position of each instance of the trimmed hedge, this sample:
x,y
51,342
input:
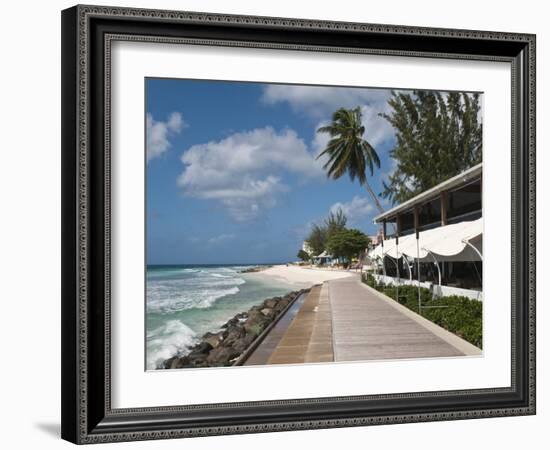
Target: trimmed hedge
x,y
462,316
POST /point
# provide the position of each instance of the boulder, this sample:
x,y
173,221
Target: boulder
x,y
235,320
256,328
168,362
179,363
243,343
233,334
268,312
199,363
213,339
196,359
232,321
271,302
254,315
256,323
201,349
220,356
282,304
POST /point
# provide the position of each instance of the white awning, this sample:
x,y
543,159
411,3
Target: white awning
x,y
446,243
324,255
390,249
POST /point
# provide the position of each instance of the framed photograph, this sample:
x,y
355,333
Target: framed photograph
x,y
280,224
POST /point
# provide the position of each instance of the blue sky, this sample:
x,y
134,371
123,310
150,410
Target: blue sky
x,y
231,169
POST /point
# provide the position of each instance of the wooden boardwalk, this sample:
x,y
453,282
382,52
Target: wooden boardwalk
x,y
367,327
344,320
263,352
307,338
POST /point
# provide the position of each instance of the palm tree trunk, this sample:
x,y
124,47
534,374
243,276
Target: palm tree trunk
x,y
374,197
377,202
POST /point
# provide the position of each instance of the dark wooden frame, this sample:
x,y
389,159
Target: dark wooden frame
x,y
87,32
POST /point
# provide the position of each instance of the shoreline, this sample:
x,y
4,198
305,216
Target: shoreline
x,y
236,336
302,276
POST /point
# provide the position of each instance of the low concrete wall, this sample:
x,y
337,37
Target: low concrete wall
x,y
438,291
445,291
400,281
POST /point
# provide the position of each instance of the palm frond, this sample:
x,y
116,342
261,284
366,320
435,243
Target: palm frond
x,y
348,151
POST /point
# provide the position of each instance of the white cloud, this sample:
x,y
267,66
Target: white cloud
x,y
159,133
355,210
320,140
220,238
242,171
389,168
377,129
247,198
319,102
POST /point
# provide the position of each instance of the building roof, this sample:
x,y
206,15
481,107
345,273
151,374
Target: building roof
x,y
324,255
451,183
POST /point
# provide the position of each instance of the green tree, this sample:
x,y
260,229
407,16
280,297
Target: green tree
x,y
347,151
317,239
320,233
347,243
303,255
335,221
437,137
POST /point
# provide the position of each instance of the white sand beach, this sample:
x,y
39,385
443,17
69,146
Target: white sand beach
x,y
304,275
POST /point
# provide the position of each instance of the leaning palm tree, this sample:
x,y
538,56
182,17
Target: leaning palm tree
x,y
347,151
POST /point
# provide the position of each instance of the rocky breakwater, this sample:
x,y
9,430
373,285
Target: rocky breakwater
x,y
223,347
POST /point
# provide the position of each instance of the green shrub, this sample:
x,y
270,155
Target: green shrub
x,y
368,279
460,315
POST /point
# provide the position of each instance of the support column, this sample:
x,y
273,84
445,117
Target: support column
x,y
443,207
398,221
416,230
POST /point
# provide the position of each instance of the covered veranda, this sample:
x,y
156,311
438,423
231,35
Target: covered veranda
x,y
447,259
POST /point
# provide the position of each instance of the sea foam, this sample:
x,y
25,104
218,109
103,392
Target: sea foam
x,y
199,289
170,339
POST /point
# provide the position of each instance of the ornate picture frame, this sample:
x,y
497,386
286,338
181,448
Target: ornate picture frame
x,y
88,33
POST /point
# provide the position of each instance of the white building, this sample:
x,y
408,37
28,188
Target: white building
x,y
436,238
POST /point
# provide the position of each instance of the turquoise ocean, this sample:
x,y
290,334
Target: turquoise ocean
x,y
185,301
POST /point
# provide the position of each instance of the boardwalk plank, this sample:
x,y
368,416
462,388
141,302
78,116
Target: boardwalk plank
x,y
365,327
